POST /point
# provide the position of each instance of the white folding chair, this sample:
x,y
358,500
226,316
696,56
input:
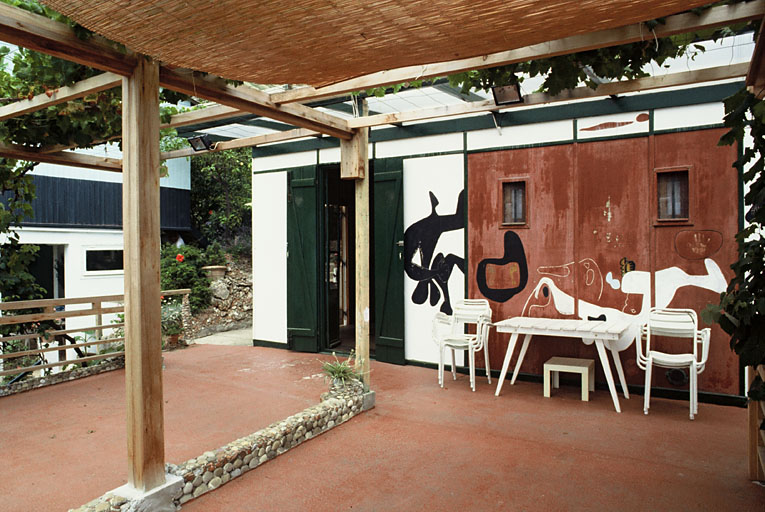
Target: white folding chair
x,y
673,323
448,332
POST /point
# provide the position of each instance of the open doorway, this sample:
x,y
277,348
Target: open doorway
x,y
338,261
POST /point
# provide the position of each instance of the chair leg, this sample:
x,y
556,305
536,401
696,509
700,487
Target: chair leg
x,y
647,392
441,365
692,389
471,362
454,366
486,361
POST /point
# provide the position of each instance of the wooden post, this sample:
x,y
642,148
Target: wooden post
x,y
140,221
354,163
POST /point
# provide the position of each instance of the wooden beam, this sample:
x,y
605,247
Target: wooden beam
x,y
61,95
253,101
755,79
678,24
42,34
62,158
202,115
140,220
246,142
607,89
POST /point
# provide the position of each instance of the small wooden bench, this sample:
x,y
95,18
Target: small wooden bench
x,y
584,367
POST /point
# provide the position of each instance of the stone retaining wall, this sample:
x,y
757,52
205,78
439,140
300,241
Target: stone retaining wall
x,y
213,469
107,365
216,468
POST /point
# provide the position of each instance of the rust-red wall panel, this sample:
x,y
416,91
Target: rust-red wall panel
x,y
591,218
709,233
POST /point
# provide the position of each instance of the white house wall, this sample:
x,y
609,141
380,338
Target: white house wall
x,y
269,256
441,177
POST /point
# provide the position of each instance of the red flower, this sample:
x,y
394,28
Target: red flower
x,y
210,212
179,258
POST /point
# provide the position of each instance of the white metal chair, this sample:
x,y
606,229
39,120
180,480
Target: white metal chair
x,y
675,323
448,332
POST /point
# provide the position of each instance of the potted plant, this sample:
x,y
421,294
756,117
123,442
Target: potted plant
x,y
172,322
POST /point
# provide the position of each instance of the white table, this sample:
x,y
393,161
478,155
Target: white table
x,y
615,335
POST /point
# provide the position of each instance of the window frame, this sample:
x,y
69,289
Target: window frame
x,y
679,221
93,273
526,210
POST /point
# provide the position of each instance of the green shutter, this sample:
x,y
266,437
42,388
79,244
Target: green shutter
x,y
388,261
302,260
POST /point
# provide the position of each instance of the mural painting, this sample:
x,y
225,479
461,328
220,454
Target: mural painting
x,y
432,273
510,270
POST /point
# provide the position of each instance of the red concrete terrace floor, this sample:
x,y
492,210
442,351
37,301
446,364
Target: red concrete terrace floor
x,y
421,448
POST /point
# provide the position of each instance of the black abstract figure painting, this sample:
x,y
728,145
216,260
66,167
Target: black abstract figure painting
x,y
432,272
499,279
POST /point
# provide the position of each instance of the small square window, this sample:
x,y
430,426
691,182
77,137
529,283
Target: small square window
x,y
672,195
514,202
99,260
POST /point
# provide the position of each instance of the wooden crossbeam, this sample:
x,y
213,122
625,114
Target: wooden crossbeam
x,y
678,24
211,113
755,79
61,95
607,89
257,140
253,101
42,34
61,158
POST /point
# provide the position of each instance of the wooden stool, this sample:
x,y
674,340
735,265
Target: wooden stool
x,y
584,367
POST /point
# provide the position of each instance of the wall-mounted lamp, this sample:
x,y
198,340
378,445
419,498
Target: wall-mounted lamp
x,y
201,142
507,94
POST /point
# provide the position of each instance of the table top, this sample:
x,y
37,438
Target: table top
x,y
597,329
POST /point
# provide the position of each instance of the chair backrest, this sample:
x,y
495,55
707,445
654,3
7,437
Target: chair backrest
x,y
468,311
675,323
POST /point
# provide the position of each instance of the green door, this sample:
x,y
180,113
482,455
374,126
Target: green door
x,y
388,261
302,260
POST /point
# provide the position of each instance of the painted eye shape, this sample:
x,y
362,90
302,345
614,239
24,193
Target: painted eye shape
x,y
546,291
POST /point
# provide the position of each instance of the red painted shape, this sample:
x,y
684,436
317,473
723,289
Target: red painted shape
x,y
697,244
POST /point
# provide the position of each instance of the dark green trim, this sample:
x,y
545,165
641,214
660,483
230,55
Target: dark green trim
x,y
651,121
522,146
576,131
271,171
269,344
689,129
695,96
673,394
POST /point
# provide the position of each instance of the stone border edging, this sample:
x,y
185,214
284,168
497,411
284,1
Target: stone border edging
x,y
216,468
110,364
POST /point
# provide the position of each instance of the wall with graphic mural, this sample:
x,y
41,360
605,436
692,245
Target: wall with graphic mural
x,y
434,247
596,242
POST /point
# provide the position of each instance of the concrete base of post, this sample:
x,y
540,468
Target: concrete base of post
x,y
158,499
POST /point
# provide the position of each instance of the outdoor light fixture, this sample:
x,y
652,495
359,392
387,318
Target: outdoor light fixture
x,y
201,142
507,94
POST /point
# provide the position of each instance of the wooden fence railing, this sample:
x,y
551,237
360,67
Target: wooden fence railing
x,y
756,414
40,343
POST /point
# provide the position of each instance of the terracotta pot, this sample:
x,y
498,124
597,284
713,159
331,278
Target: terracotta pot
x,y
215,271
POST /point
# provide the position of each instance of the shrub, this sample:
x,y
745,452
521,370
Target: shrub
x,y
181,267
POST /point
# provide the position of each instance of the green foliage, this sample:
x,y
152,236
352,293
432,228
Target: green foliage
x,y
215,254
221,185
172,322
338,370
181,267
741,311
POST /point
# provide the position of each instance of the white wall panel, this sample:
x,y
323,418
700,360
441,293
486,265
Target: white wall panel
x,y
443,176
612,125
685,117
267,163
419,145
520,135
269,256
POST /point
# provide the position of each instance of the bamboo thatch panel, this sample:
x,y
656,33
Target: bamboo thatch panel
x,y
318,42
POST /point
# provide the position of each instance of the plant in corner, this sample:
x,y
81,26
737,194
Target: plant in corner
x,y
340,372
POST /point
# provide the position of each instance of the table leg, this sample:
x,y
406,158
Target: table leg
x,y
521,355
506,363
607,370
620,371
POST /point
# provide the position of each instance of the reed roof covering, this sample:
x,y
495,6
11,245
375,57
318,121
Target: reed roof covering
x,y
318,42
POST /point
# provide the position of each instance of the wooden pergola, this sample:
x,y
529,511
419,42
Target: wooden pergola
x,y
362,45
